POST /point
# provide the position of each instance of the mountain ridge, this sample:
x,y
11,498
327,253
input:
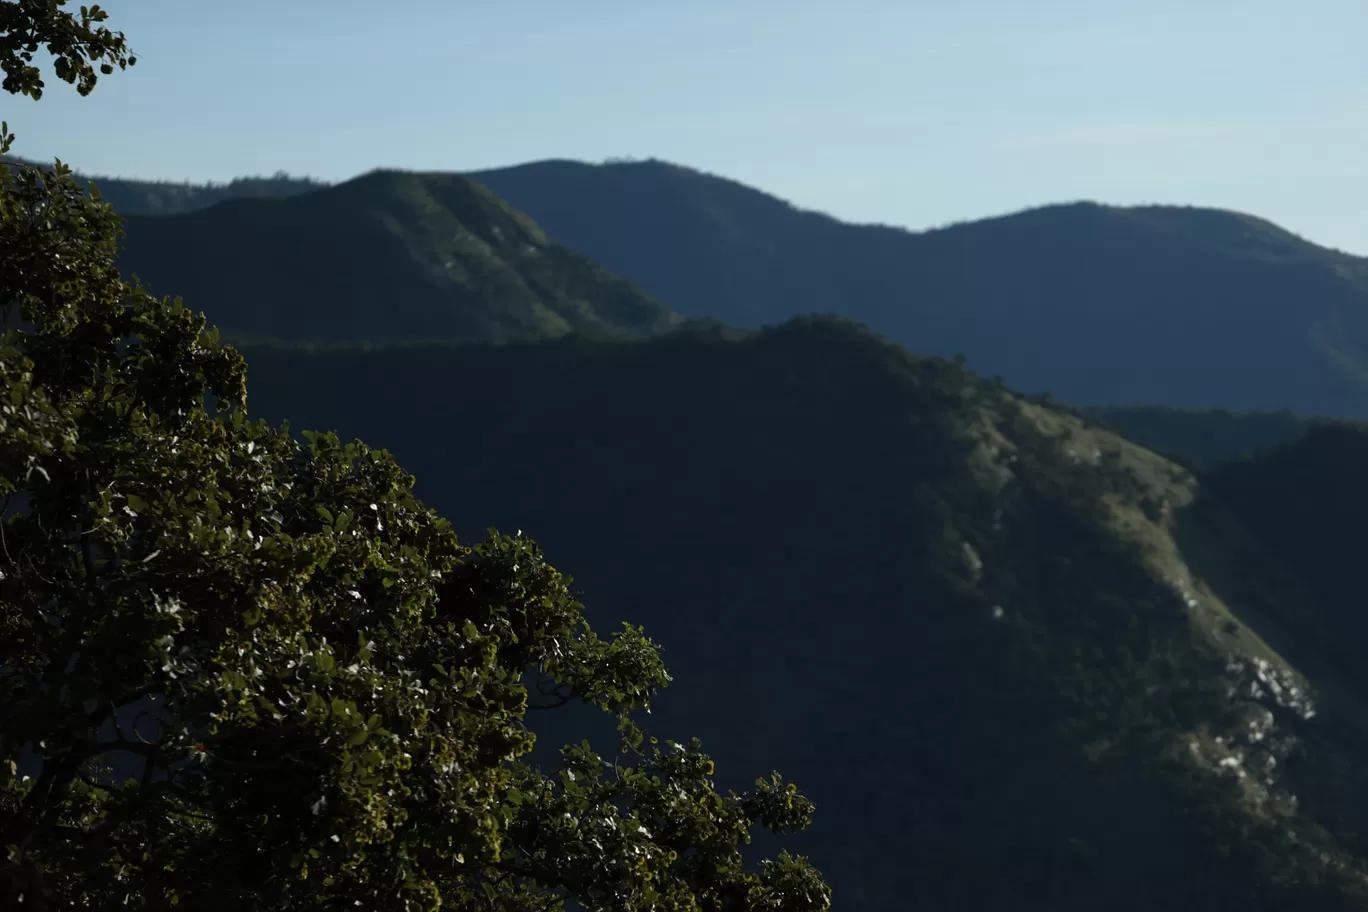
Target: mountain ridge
x,y
385,256
703,177
198,195
982,633
1094,304
1083,301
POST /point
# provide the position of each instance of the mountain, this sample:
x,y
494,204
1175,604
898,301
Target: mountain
x,y
1305,501
1100,305
1018,661
386,256
1204,438
161,197
1094,304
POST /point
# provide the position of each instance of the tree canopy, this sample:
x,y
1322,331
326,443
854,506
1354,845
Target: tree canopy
x,y
77,43
243,670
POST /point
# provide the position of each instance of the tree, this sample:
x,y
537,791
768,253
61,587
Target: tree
x,y
241,670
78,44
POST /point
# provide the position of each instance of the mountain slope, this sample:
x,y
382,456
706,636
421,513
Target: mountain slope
x,y
386,256
1094,304
1005,651
1207,437
1305,500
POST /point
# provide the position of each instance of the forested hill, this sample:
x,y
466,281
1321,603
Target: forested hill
x,y
389,255
1094,304
1097,305
1015,659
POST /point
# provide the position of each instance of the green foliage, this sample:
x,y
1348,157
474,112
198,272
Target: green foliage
x,y
245,671
78,44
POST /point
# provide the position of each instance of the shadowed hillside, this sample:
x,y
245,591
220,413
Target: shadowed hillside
x,y
1094,304
1305,500
999,646
386,256
1203,437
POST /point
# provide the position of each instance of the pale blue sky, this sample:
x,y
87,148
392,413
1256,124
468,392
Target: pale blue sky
x,y
909,112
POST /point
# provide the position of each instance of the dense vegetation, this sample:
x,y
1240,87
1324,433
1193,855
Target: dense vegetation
x,y
240,671
1094,304
386,256
998,645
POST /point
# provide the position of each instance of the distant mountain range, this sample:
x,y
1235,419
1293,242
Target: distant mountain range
x,y
1093,304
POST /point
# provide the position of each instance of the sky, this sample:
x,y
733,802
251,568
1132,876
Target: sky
x,y
916,113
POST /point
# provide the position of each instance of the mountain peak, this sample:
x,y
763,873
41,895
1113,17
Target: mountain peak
x,y
385,256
